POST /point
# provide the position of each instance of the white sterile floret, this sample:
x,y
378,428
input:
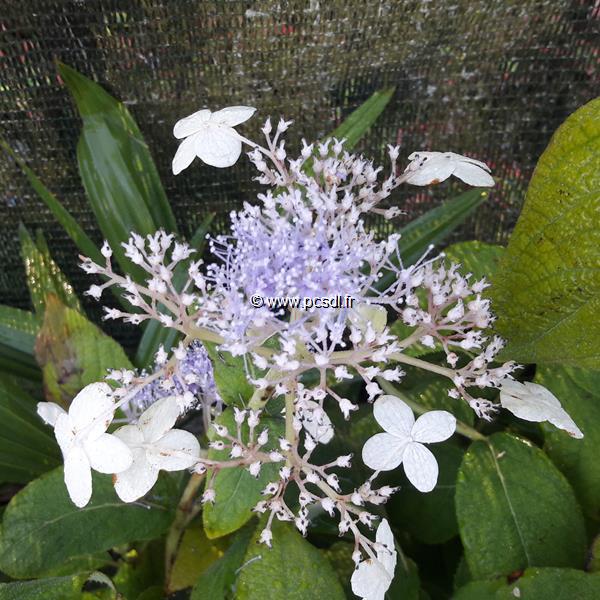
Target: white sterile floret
x,y
372,578
210,136
404,439
84,443
434,167
155,446
533,402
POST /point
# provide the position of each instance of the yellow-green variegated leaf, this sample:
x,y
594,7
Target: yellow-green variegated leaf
x,y
547,290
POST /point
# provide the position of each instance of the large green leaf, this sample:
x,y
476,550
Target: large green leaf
x,y
18,329
27,446
230,376
42,528
292,569
70,225
73,352
54,588
358,123
117,170
238,492
516,510
43,274
196,553
547,290
216,582
429,517
155,333
536,584
433,228
579,393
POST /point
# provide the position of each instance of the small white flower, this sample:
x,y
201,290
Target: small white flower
x,y
84,443
210,136
434,167
533,402
316,422
372,578
404,439
155,446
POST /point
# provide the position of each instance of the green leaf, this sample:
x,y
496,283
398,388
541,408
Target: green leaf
x,y
536,584
429,517
593,563
70,225
27,446
73,352
19,364
406,583
515,510
358,123
230,376
433,228
18,329
475,257
579,393
143,569
547,290
155,333
42,528
195,554
292,569
238,492
55,588
216,582
43,275
117,170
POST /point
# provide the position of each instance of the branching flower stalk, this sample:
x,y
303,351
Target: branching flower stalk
x,y
306,238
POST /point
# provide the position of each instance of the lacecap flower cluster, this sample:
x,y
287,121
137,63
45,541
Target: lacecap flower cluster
x,y
305,236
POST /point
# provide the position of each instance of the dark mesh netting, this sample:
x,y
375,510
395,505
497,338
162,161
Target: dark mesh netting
x,y
490,78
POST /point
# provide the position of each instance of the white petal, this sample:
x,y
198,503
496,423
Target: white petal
x,y
394,415
63,431
94,407
232,115
49,412
185,154
138,480
384,452
192,124
386,557
370,580
78,477
218,146
435,169
533,402
473,175
130,435
108,454
420,467
434,426
175,451
158,418
467,159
